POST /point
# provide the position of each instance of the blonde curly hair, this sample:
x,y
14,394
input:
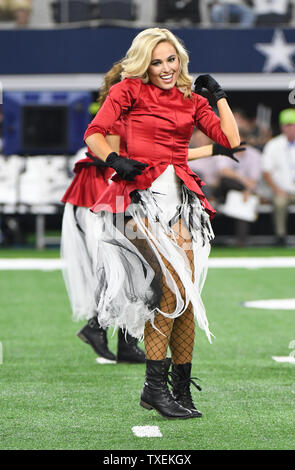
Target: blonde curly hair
x,y
138,58
111,77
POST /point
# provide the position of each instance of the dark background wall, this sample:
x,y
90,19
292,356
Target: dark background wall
x,y
93,50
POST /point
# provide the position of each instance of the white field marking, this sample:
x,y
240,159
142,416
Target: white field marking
x,y
53,264
39,264
289,359
102,360
272,304
253,263
147,431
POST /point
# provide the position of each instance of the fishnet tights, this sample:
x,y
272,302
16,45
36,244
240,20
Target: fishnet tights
x,y
179,332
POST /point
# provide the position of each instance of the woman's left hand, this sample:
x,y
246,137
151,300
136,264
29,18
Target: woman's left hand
x,y
208,82
221,150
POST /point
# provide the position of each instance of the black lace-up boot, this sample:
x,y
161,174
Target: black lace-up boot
x,y
157,396
181,380
128,351
96,337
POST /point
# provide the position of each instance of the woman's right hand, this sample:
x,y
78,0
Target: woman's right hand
x,y
124,167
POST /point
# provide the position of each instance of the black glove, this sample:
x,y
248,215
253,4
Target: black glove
x,y
125,168
206,81
95,161
221,150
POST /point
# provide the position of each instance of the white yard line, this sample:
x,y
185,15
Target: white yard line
x,y
40,264
289,359
52,264
271,304
250,263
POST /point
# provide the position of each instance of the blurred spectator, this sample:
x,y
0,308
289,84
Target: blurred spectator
x,y
272,12
256,131
279,171
227,11
177,10
19,10
243,177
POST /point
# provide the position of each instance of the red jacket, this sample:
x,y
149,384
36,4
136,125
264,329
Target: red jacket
x,y
90,181
159,126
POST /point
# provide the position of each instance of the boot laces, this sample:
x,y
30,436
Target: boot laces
x,y
183,382
167,393
182,390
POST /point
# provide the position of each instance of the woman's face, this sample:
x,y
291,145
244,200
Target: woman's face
x,y
164,68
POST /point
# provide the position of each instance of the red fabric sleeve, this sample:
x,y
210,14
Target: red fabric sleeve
x,y
208,122
119,129
116,128
119,101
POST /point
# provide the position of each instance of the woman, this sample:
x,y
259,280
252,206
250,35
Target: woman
x,y
88,183
79,248
153,221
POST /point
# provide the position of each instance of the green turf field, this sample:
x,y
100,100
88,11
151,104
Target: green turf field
x,y
53,395
216,252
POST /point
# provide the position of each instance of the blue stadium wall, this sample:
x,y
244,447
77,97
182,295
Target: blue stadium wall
x,y
93,50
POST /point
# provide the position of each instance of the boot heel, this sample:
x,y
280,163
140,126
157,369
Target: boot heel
x,y
145,405
82,337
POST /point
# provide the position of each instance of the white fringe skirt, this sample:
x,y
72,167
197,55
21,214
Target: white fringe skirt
x,y
113,263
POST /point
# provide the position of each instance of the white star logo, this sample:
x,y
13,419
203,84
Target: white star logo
x,y
278,53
